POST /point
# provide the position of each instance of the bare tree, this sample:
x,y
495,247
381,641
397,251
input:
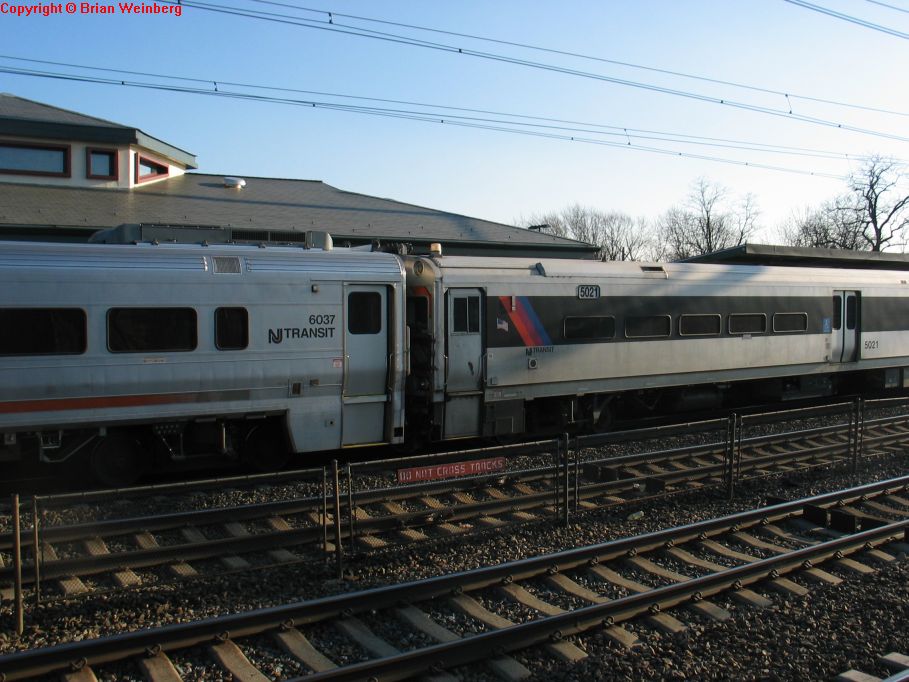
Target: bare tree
x,y
876,206
820,228
705,223
617,235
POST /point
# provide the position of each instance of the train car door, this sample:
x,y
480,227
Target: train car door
x,y
366,354
464,363
845,326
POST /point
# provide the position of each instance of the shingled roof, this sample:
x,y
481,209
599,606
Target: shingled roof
x,y
26,118
265,206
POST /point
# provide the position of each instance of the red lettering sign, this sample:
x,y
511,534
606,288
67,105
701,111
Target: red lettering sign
x,y
451,470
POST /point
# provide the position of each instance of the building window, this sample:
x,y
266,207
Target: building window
x,y
748,323
466,315
140,330
364,312
101,164
589,328
34,159
42,331
648,327
231,329
146,169
790,322
700,325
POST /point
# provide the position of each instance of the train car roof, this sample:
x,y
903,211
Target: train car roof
x,y
795,256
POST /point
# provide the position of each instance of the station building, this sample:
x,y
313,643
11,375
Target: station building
x,y
66,176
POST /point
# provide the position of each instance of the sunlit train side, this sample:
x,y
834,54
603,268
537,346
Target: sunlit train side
x,y
127,353
512,345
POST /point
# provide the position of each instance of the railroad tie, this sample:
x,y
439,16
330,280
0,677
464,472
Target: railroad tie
x,y
856,676
70,585
195,536
616,633
86,674
505,667
360,633
159,668
901,501
280,556
97,547
895,662
886,508
779,584
495,493
229,656
704,607
295,643
564,650
744,596
661,621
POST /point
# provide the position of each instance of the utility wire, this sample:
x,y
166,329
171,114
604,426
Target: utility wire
x,y
604,60
354,31
577,126
413,116
851,19
893,7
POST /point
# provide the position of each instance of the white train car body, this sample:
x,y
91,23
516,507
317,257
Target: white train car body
x,y
97,338
523,343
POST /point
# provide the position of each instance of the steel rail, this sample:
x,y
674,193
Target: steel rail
x,y
167,638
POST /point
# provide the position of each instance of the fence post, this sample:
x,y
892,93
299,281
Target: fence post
x,y
350,507
339,549
577,473
567,510
325,513
556,478
39,549
731,437
857,431
17,566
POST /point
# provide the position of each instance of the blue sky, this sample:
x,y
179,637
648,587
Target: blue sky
x,y
500,176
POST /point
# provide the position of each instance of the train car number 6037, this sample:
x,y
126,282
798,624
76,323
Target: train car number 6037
x,y
588,291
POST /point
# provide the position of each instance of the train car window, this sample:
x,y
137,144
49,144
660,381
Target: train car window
x,y
790,322
231,328
141,330
837,312
851,312
748,323
42,331
700,325
466,315
364,312
589,328
648,327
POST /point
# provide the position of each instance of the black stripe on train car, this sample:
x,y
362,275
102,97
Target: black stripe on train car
x,y
549,313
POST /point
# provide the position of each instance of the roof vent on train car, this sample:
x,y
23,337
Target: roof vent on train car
x,y
655,270
540,269
234,183
435,249
316,239
227,264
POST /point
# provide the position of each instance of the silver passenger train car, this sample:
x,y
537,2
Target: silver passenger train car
x,y
117,352
512,345
129,356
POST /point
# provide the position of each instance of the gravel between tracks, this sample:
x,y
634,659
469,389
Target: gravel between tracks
x,y
829,631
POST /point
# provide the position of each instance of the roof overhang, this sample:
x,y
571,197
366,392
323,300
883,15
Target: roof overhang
x,y
797,256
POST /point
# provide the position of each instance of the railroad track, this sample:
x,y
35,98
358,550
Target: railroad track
x,y
480,617
896,663
125,553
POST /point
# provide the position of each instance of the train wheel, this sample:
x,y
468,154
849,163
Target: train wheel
x,y
116,460
264,449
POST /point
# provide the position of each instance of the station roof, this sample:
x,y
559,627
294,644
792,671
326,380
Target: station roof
x,y
267,209
796,256
20,117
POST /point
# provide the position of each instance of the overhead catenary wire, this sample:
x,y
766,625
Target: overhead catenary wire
x,y
888,6
413,116
403,40
604,60
562,124
849,18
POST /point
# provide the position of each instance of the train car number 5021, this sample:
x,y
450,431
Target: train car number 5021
x,y
588,291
